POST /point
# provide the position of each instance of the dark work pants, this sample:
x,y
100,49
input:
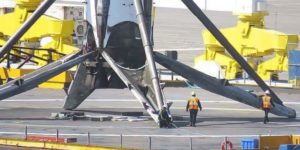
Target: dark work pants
x,y
266,115
193,116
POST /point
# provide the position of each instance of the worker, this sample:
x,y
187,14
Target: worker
x,y
266,105
164,118
192,106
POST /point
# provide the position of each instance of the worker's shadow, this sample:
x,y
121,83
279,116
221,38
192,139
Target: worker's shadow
x,y
219,121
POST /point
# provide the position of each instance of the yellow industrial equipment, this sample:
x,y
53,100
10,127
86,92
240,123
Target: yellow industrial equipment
x,y
57,32
253,41
274,142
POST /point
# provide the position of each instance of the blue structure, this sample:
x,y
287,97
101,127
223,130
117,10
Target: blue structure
x,y
286,147
249,143
294,65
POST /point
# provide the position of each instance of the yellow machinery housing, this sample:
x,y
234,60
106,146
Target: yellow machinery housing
x,y
253,41
57,31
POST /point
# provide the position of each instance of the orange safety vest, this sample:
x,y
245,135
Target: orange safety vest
x,y
193,103
266,102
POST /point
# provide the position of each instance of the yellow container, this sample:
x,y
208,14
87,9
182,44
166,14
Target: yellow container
x,y
295,82
295,139
273,142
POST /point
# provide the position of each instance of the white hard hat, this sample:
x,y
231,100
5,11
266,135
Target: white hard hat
x,y
193,93
267,92
165,105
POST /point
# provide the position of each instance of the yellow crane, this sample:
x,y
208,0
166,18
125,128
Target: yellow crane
x,y
254,42
59,34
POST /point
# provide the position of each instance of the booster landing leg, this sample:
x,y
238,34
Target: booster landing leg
x,y
149,56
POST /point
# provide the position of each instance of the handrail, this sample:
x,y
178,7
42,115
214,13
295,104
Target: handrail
x,y
30,56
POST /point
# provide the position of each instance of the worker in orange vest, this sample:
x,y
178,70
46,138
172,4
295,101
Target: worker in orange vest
x,y
192,106
266,105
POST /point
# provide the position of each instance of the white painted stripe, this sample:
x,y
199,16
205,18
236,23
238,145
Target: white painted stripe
x,y
100,100
292,125
180,49
232,109
32,100
172,108
78,127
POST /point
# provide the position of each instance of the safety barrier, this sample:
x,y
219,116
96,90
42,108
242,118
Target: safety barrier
x,y
120,141
49,145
